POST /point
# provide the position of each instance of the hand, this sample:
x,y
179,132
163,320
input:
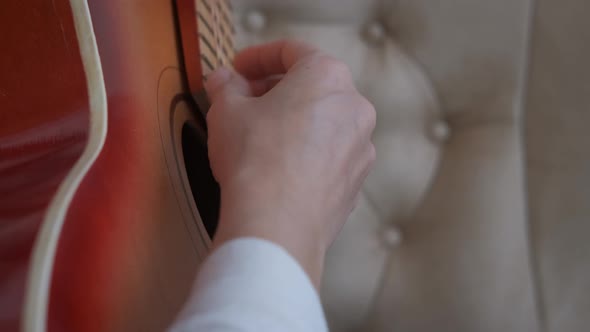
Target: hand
x,y
290,145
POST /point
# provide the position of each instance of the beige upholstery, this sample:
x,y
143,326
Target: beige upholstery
x,y
558,146
469,222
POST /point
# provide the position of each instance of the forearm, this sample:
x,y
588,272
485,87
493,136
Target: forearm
x,y
239,219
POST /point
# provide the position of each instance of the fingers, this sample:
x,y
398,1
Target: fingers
x,y
261,87
275,58
223,83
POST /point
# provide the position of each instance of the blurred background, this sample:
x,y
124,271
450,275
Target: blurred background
x,y
476,215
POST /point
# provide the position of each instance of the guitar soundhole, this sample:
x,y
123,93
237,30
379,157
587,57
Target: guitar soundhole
x,y
204,188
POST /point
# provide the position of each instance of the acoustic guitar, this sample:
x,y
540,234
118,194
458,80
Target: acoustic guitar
x,y
107,202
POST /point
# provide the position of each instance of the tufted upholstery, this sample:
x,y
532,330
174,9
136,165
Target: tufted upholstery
x,y
468,222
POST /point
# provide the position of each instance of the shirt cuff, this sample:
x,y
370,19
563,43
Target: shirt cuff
x,y
250,284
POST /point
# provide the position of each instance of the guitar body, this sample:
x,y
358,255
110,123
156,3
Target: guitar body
x,y
108,204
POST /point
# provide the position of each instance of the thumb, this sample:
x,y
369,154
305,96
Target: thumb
x,y
224,83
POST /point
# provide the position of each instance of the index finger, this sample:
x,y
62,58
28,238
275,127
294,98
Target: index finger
x,y
275,58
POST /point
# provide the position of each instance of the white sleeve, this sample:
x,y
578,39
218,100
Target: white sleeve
x,y
251,285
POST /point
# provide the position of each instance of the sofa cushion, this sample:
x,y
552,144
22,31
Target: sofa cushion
x,y
439,239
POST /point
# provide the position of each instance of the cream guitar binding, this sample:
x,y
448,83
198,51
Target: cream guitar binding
x,y
104,166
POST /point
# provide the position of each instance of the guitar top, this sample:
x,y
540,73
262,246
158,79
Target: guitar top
x,y
107,201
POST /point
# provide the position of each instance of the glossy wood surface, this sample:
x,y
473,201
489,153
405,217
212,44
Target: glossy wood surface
x,y
43,130
132,239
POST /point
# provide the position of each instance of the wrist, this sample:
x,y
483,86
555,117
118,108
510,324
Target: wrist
x,y
242,217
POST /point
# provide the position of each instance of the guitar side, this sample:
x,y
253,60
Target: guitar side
x,y
133,236
114,224
44,128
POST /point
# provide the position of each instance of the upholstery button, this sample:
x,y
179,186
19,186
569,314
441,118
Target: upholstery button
x,y
440,131
391,237
375,32
255,21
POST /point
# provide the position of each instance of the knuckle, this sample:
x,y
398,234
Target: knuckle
x,y
331,68
336,66
367,116
372,154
